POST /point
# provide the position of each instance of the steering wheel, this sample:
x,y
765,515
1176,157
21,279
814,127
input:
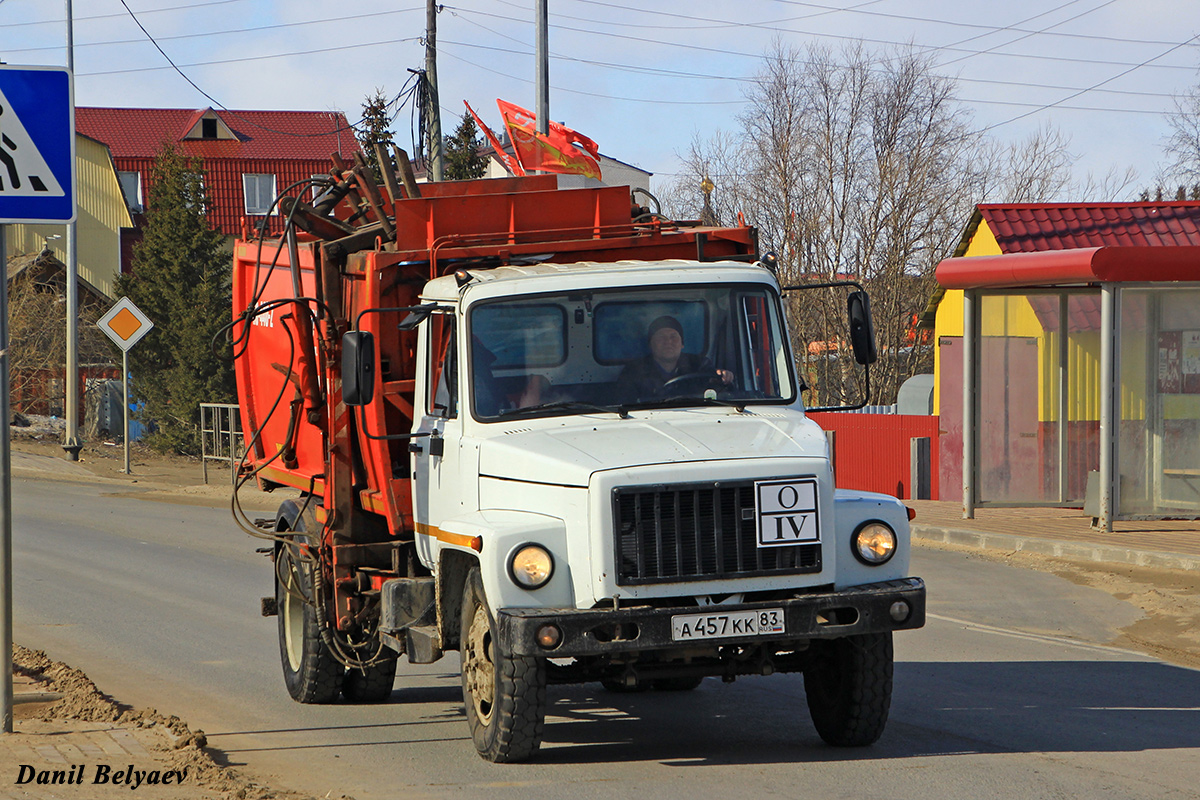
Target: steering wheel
x,y
695,380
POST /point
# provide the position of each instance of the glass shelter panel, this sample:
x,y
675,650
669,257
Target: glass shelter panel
x,y
1018,429
1039,397
1159,448
1081,408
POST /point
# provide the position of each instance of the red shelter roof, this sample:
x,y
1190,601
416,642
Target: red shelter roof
x,y
1046,244
1035,227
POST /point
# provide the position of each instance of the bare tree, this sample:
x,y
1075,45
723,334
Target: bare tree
x,y
859,164
38,336
854,165
1182,145
1034,169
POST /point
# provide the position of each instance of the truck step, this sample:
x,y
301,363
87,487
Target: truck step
x,y
423,644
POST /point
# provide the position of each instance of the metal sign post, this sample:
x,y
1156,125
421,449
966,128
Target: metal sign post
x,y
125,324
6,623
37,185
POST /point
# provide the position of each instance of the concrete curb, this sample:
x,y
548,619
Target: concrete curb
x,y
1083,551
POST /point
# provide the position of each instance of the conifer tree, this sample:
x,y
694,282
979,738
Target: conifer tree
x,y
180,278
463,161
375,127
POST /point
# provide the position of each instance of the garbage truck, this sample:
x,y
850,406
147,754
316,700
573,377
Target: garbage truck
x,y
459,385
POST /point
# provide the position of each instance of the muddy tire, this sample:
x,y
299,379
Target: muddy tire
x,y
370,685
310,671
849,688
505,695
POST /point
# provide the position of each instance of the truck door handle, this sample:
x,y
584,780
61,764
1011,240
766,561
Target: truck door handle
x,y
437,446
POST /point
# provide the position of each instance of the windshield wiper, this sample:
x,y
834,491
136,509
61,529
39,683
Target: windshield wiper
x,y
683,401
571,405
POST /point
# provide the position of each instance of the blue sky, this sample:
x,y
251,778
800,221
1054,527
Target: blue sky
x,y
641,79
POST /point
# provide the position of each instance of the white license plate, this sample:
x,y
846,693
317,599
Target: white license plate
x,y
716,625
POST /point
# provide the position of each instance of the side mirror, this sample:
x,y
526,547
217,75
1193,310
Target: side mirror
x,y
358,368
415,316
862,328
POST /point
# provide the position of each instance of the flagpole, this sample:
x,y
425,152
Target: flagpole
x,y
543,67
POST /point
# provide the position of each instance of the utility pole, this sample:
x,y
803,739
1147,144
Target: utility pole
x,y
434,110
543,67
72,444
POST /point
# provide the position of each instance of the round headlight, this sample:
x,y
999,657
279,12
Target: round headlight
x,y
531,566
874,543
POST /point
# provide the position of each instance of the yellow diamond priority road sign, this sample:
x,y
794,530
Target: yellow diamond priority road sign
x,y
125,324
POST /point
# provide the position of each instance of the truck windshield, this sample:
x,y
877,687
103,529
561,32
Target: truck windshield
x,y
664,346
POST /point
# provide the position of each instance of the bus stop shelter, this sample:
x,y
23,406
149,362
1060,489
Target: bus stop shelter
x,y
1108,414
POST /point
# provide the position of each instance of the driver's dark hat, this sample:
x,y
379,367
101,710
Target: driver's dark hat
x,y
664,321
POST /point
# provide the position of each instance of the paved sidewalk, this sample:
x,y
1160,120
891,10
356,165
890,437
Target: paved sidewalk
x,y
1064,532
99,759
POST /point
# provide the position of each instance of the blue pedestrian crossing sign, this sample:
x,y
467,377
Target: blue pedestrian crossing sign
x,y
37,145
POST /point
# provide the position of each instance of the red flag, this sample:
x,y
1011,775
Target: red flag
x,y
561,150
509,162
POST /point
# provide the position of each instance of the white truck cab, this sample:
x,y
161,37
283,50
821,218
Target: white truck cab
x,y
592,509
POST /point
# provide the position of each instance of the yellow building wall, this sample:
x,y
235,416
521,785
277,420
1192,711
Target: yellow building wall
x,y
100,214
949,320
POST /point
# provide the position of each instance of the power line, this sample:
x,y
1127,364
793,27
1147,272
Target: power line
x,y
1058,103
569,90
257,29
667,73
118,15
221,105
657,101
840,37
971,101
220,61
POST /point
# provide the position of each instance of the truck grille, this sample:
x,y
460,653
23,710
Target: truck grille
x,y
689,531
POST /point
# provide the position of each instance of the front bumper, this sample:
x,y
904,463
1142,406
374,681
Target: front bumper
x,y
825,615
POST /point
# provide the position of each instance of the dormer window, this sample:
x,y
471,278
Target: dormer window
x,y
206,125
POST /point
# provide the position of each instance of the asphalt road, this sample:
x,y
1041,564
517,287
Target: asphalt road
x,y
1009,692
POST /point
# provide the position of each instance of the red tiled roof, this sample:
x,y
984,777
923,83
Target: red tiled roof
x,y
140,132
291,145
1037,227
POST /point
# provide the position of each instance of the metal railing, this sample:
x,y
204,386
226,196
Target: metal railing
x,y
221,436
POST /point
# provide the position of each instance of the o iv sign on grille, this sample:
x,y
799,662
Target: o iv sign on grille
x,y
787,512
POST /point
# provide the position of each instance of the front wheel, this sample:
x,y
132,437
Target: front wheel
x,y
505,695
849,688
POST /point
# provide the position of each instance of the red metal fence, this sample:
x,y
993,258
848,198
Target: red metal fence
x,y
872,451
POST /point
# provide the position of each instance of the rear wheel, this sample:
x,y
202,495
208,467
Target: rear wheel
x,y
372,684
310,671
849,688
505,695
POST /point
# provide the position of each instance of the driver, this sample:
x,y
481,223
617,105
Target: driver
x,y
645,377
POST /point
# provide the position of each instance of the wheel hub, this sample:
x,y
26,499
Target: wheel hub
x,y
479,671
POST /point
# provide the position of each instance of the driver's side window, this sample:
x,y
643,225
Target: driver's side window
x,y
442,399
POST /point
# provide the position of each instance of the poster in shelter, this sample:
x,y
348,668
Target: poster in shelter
x,y
1190,362
1170,378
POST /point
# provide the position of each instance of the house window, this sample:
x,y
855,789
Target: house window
x,y
208,128
131,187
259,191
320,185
